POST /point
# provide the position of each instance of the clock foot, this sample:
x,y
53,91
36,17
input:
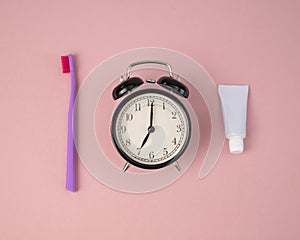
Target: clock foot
x,y
127,165
176,164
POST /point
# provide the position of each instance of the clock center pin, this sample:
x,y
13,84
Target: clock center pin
x,y
151,129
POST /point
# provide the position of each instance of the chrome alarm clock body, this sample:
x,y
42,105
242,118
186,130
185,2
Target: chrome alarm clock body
x,y
150,127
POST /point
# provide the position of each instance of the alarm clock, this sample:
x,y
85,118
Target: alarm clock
x,y
150,127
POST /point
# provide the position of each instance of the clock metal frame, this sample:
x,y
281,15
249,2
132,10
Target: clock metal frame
x,y
114,129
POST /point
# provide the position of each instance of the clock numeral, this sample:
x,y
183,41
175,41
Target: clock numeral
x,y
127,142
151,155
123,129
129,117
165,152
164,106
150,101
137,107
178,128
138,151
174,115
174,141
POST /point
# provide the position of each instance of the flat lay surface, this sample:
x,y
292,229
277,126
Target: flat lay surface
x,y
254,195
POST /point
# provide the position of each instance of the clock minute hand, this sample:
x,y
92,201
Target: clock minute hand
x,y
151,115
150,128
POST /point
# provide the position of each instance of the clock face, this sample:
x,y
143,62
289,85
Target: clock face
x,y
151,128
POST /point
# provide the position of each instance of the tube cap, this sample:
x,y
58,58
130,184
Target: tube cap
x,y
236,144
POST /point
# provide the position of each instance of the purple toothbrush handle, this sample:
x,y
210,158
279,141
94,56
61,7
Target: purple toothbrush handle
x,y
70,176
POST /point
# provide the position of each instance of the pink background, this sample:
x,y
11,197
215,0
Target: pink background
x,y
255,195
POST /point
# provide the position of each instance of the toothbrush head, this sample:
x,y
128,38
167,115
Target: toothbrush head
x,y
65,63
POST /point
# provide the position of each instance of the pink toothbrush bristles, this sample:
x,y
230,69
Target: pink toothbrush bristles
x,y
65,64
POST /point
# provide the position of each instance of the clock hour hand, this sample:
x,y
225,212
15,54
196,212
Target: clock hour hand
x,y
145,139
150,130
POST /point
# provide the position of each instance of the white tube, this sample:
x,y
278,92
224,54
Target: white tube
x,y
234,107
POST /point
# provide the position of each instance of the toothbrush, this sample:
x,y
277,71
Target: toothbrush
x,y
68,67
